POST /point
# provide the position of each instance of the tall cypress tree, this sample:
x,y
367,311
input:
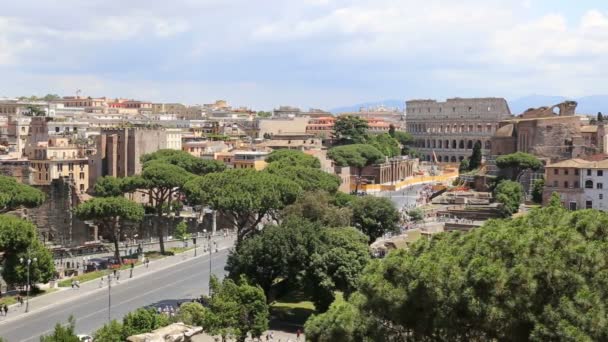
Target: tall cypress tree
x,y
475,160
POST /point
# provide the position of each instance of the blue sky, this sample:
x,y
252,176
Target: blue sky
x,y
310,53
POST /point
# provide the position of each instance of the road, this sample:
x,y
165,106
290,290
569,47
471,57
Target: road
x,y
185,280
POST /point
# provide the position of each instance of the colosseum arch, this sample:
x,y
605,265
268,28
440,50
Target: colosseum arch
x,y
461,144
488,145
470,144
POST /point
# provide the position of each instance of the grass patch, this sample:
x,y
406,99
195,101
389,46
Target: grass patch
x,y
10,300
83,278
293,308
178,250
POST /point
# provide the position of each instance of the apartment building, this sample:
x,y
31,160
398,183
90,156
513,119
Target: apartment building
x,y
579,183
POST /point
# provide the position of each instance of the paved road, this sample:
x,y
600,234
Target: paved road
x,y
186,279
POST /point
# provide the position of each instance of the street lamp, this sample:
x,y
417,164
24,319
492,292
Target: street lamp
x,y
28,262
210,258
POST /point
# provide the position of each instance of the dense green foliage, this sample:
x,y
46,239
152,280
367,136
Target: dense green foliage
x,y
192,313
416,214
541,277
109,186
510,195
62,333
142,321
236,308
386,144
341,323
308,178
111,332
288,157
356,156
302,255
475,159
246,196
181,231
464,166
110,213
320,207
184,160
537,190
374,216
350,130
19,239
14,195
518,162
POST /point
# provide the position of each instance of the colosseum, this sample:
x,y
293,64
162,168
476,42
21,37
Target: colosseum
x,y
450,129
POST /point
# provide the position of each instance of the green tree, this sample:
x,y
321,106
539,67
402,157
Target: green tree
x,y
181,231
350,130
416,214
475,159
14,195
192,313
386,144
510,195
111,332
375,216
142,321
62,333
555,201
107,213
356,156
341,323
309,179
109,186
184,160
511,280
391,130
336,265
163,181
464,166
537,190
33,110
518,162
288,157
319,206
236,309
246,196
263,115
600,117
278,254
51,97
19,239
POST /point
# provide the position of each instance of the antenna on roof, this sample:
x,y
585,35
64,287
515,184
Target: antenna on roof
x,y
78,91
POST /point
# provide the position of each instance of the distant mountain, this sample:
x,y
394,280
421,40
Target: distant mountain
x,y
586,104
355,108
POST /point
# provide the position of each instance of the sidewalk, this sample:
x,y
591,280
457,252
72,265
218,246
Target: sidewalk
x,y
68,294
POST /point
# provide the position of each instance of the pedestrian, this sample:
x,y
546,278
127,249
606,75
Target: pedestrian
x,y
117,273
132,266
298,333
5,310
73,284
77,284
101,281
114,273
147,261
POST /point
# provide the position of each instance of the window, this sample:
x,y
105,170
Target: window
x,y
82,175
576,185
589,204
600,173
555,185
601,196
566,172
588,172
555,171
576,172
600,185
588,184
566,184
81,187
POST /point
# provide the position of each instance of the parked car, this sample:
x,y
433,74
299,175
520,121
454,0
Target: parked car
x,y
85,338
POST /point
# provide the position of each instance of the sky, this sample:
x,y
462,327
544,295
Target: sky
x,y
309,53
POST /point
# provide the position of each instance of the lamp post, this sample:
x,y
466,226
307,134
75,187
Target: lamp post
x,y
28,262
110,297
210,258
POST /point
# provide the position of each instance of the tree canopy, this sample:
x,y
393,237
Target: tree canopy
x,y
518,162
308,178
184,160
356,156
107,212
19,239
475,159
510,195
63,333
386,144
247,196
288,157
236,308
375,216
109,186
14,195
540,277
320,207
350,129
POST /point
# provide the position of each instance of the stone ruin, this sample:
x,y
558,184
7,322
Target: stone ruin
x,y
176,332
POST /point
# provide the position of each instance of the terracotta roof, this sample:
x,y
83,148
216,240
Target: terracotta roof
x,y
581,164
505,131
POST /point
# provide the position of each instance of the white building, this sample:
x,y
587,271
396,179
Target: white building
x,y
594,178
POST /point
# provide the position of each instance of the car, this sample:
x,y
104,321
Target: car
x,y
84,338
